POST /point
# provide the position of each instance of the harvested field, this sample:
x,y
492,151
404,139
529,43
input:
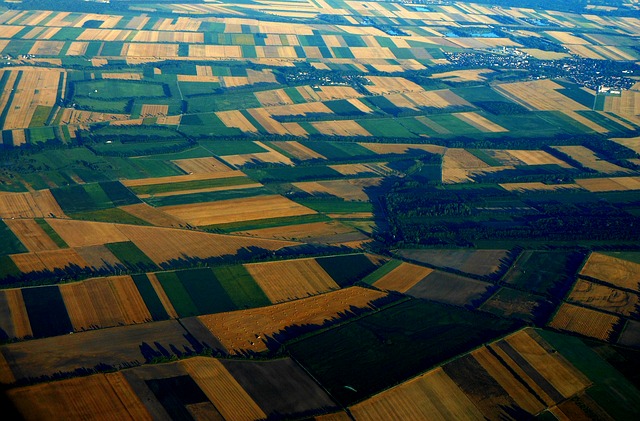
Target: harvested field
x,y
626,105
80,117
533,186
31,234
149,50
104,302
391,85
314,232
604,298
84,233
401,148
273,98
518,392
123,76
38,204
164,244
162,295
610,184
591,323
182,178
540,95
631,143
450,289
430,396
36,87
14,320
153,216
154,110
618,272
236,119
48,260
552,366
340,128
477,262
228,396
272,156
291,279
230,328
98,256
236,210
299,109
354,189
470,75
480,122
263,118
403,278
537,158
362,169
107,396
298,150
117,347
437,99
201,165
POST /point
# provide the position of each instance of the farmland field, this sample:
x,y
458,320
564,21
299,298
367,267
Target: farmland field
x,y
322,210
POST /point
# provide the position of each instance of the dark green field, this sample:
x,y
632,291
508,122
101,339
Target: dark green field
x,y
131,256
382,349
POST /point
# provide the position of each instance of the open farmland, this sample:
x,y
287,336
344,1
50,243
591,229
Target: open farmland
x,y
320,210
272,321
583,321
615,271
236,210
291,279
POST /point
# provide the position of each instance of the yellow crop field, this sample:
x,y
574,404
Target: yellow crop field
x,y
589,159
565,378
106,395
403,277
470,75
481,123
298,150
37,204
585,322
236,119
271,155
520,393
604,298
122,76
222,389
437,99
340,128
567,38
626,105
536,185
46,48
316,231
430,396
48,260
300,109
163,244
265,120
291,279
362,169
536,158
346,189
94,34
610,184
97,256
272,98
154,110
36,87
328,93
235,210
619,272
149,50
388,85
104,302
540,95
202,165
14,319
85,233
81,117
230,328
31,234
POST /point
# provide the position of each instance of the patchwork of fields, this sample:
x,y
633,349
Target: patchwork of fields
x,y
320,210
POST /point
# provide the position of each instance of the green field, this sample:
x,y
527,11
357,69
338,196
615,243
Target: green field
x,y
9,243
387,347
348,269
191,185
131,256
